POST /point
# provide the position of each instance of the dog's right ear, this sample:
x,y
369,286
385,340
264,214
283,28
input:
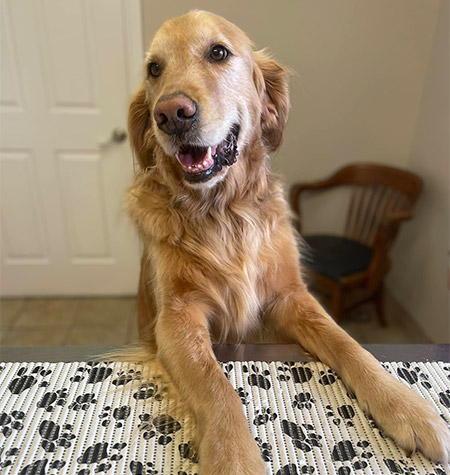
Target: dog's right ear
x,y
141,135
271,81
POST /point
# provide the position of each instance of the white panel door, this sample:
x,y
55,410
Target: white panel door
x,y
67,71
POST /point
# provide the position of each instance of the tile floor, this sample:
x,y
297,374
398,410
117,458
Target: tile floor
x,y
112,321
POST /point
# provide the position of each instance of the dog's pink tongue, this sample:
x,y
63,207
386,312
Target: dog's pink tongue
x,y
192,156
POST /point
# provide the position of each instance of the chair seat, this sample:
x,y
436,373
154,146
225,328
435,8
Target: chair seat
x,y
335,257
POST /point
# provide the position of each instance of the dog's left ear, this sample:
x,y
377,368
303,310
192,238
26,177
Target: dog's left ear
x,y
271,81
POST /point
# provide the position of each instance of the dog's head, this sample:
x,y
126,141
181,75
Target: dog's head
x,y
205,98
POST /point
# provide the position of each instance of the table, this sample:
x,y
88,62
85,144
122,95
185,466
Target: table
x,y
256,352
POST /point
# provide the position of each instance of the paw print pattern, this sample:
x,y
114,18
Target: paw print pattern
x,y
345,412
328,377
25,381
146,391
400,466
304,439
95,372
119,414
413,375
5,459
53,436
258,378
263,416
164,425
10,422
243,395
345,451
188,451
138,468
227,368
98,458
299,374
292,469
50,399
83,402
125,377
303,401
39,467
265,448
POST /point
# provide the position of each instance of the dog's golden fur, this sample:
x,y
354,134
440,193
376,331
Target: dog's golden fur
x,y
221,259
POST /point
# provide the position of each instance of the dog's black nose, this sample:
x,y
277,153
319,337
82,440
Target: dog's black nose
x,y
176,113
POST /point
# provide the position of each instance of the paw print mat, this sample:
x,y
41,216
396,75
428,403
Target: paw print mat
x,y
116,418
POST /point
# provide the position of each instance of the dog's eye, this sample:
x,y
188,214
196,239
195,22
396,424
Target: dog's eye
x,y
154,69
218,53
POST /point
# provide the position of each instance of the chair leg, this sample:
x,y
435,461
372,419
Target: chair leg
x,y
337,305
379,305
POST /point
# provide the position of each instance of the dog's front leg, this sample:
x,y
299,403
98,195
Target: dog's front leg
x,y
184,348
400,412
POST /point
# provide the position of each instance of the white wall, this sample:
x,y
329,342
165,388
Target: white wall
x,y
360,68
419,277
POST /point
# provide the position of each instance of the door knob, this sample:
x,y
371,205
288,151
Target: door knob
x,y
118,135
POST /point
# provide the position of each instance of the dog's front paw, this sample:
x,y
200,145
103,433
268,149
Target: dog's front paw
x,y
235,453
410,420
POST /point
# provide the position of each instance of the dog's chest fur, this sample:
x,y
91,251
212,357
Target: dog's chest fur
x,y
221,254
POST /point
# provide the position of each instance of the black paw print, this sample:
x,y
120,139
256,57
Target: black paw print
x,y
303,401
83,402
399,466
39,466
148,390
163,424
328,377
119,414
6,461
10,422
263,416
413,374
265,448
227,368
257,378
137,468
124,377
300,374
98,456
346,412
243,395
344,451
50,399
53,435
292,469
444,398
386,367
26,381
304,439
96,373
188,451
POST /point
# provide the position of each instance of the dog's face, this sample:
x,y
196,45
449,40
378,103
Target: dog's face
x,y
205,97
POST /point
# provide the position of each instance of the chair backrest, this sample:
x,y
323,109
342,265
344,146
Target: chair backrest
x,y
377,191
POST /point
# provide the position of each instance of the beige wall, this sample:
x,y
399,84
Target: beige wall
x,y
419,278
360,68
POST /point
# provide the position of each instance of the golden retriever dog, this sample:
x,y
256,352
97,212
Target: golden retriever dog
x,y
220,256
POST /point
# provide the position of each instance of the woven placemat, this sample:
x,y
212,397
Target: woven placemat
x,y
86,418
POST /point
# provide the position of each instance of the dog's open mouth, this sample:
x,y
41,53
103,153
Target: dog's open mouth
x,y
200,164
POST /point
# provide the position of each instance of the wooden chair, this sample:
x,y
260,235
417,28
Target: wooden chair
x,y
381,198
